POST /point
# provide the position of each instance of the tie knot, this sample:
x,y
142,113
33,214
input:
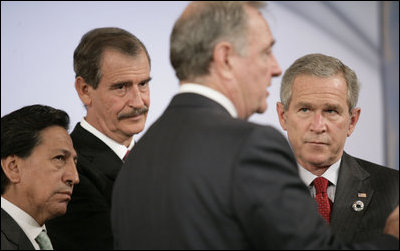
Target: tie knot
x,y
320,185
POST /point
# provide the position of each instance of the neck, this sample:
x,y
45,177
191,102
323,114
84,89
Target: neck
x,y
24,204
316,170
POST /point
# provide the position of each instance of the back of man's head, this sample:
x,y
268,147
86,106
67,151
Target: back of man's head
x,y
201,26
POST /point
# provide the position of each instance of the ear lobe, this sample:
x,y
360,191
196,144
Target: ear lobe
x,y
12,168
280,109
83,90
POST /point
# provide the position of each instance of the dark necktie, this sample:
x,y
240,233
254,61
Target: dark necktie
x,y
324,207
126,155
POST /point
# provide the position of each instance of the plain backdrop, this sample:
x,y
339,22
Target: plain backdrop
x,y
38,40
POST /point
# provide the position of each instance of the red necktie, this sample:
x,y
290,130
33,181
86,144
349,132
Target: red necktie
x,y
126,155
324,207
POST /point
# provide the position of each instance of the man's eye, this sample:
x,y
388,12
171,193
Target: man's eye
x,y
144,83
121,86
60,157
304,109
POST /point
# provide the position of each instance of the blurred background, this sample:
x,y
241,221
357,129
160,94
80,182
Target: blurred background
x,y
38,40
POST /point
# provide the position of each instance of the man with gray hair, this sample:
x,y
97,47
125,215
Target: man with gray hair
x,y
112,68
202,177
318,110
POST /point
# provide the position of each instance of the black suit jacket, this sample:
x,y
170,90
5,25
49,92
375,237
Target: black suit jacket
x,y
381,187
12,235
200,179
86,225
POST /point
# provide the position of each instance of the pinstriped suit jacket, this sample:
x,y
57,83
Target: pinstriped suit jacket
x,y
12,235
381,186
199,179
86,225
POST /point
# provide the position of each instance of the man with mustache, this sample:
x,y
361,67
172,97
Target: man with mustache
x,y
38,173
318,110
112,80
216,181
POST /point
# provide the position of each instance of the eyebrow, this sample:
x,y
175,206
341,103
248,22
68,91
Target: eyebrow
x,y
325,105
332,106
301,104
130,82
146,80
67,153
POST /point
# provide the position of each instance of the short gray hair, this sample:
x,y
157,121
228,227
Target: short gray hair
x,y
88,54
196,33
322,66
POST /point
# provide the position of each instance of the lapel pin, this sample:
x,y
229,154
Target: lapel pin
x,y
362,195
358,206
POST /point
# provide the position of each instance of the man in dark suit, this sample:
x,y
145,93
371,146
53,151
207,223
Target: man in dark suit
x,y
318,110
38,173
112,74
202,177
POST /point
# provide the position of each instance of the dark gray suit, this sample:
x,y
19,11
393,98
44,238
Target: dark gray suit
x,y
86,225
381,186
12,235
200,179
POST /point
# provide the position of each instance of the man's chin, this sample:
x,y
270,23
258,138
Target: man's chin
x,y
262,108
59,210
132,130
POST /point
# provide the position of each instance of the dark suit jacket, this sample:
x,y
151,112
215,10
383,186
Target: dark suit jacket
x,y
12,235
86,225
381,186
200,179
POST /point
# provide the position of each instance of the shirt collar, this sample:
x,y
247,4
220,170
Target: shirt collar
x,y
27,223
211,94
118,148
331,174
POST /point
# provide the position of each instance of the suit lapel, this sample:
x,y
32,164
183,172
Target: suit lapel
x,y
353,187
96,160
14,233
95,153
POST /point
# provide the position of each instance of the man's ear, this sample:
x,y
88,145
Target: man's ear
x,y
355,115
83,90
280,109
11,166
223,59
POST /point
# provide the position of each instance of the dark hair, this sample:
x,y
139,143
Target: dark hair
x,y
88,54
20,131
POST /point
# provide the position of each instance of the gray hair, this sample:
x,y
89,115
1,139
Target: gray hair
x,y
88,54
322,66
197,31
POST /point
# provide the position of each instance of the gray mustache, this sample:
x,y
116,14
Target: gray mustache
x,y
135,112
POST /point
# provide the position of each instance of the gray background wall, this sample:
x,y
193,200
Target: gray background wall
x,y
38,40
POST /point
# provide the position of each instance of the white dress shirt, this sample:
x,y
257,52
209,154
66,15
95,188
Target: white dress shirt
x,y
211,94
28,224
331,174
118,148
